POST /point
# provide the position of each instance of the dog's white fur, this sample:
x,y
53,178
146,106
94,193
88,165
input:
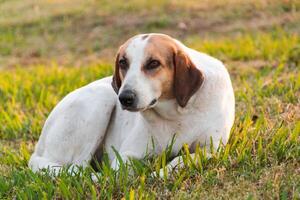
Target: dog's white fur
x,y
92,115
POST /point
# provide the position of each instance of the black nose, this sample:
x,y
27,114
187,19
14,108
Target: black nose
x,y
127,98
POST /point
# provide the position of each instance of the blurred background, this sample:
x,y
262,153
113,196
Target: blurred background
x,y
84,32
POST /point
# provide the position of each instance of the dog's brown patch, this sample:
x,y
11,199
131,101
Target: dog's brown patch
x,y
119,74
178,76
161,48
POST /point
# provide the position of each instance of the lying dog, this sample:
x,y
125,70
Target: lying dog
x,y
160,89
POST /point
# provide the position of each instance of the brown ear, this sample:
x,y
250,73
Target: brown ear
x,y
187,78
116,81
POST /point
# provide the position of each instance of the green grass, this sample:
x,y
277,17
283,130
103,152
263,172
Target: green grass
x,y
262,157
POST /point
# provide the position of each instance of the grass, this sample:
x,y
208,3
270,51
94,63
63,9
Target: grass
x,y
84,32
262,157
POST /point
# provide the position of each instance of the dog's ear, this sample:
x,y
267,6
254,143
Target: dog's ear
x,y
187,78
116,80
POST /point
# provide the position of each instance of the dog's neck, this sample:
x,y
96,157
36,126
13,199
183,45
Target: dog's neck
x,y
168,110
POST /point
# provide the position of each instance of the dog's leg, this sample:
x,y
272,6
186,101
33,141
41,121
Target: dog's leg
x,y
178,162
175,164
37,163
75,128
137,145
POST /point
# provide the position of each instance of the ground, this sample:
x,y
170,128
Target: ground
x,y
49,47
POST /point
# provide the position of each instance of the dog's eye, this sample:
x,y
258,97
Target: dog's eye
x,y
153,64
123,64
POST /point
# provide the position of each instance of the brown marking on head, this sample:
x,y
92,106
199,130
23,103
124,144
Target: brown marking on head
x,y
178,76
187,79
161,48
119,74
116,80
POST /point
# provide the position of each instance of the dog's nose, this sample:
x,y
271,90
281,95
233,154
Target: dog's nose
x,y
127,98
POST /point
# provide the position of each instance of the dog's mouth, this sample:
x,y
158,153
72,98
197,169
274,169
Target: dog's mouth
x,y
153,102
151,105
131,109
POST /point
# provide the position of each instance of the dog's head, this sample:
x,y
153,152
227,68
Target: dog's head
x,y
153,67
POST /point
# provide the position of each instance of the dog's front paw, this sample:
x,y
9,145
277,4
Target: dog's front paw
x,y
95,177
160,174
163,172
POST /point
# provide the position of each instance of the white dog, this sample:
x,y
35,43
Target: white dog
x,y
160,89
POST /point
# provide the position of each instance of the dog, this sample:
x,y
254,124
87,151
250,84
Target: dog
x,y
160,90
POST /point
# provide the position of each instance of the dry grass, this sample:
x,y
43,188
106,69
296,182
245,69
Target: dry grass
x,y
85,32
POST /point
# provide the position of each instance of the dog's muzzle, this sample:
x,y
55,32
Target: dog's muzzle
x,y
128,99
